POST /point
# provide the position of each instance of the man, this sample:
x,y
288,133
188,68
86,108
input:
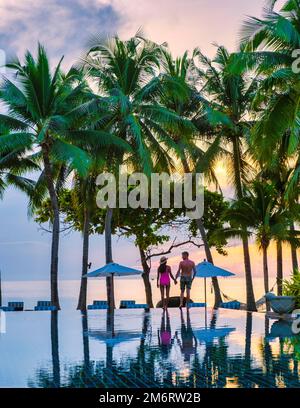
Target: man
x,y
187,273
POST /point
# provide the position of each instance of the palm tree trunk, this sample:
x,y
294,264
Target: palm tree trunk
x,y
208,254
215,282
55,230
108,256
265,268
266,271
294,251
279,268
146,278
251,306
85,259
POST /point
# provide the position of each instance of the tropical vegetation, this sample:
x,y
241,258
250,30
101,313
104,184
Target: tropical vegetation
x,y
131,104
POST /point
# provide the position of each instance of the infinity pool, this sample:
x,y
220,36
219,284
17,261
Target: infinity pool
x,y
138,349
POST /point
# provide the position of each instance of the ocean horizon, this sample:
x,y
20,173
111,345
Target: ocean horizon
x,y
32,291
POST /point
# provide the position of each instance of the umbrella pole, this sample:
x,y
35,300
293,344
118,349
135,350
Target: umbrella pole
x,y
0,289
205,299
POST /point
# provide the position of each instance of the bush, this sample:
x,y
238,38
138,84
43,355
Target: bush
x,y
292,287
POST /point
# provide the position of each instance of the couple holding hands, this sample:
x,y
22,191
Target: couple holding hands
x,y
186,272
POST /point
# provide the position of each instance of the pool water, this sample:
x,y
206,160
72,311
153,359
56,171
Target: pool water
x,y
133,348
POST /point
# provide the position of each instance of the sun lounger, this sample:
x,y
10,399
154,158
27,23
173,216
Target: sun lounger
x,y
231,305
44,305
13,307
197,304
98,305
130,304
7,309
124,304
137,306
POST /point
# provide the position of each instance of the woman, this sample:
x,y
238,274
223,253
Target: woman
x,y
163,281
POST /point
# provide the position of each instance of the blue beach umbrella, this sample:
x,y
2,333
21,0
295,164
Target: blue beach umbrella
x,y
206,270
113,269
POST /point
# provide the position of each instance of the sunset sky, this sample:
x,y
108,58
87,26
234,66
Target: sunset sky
x,y
65,27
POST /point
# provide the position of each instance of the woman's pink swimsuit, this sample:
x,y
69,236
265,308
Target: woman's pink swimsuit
x,y
165,277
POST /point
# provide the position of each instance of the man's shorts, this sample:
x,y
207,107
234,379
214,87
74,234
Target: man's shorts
x,y
185,282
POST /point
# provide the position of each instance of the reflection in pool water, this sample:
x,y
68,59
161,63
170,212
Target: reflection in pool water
x,y
133,348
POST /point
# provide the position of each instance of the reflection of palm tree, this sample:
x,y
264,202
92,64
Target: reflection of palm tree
x,y
44,377
215,361
150,367
246,378
87,365
55,349
279,369
85,340
110,328
248,337
267,355
188,343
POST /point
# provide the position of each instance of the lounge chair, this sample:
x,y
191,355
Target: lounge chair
x,y
7,309
13,307
44,305
130,304
197,304
124,304
98,305
138,306
231,305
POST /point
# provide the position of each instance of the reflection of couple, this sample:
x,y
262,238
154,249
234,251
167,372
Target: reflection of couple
x,y
186,271
187,343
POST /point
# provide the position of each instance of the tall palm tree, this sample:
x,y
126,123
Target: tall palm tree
x,y
229,96
181,73
125,73
85,197
258,211
13,165
279,172
270,43
84,194
41,109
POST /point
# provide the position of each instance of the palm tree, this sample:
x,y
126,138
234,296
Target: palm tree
x,y
125,73
85,186
84,195
86,199
258,211
13,165
270,43
228,103
182,74
279,171
41,109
